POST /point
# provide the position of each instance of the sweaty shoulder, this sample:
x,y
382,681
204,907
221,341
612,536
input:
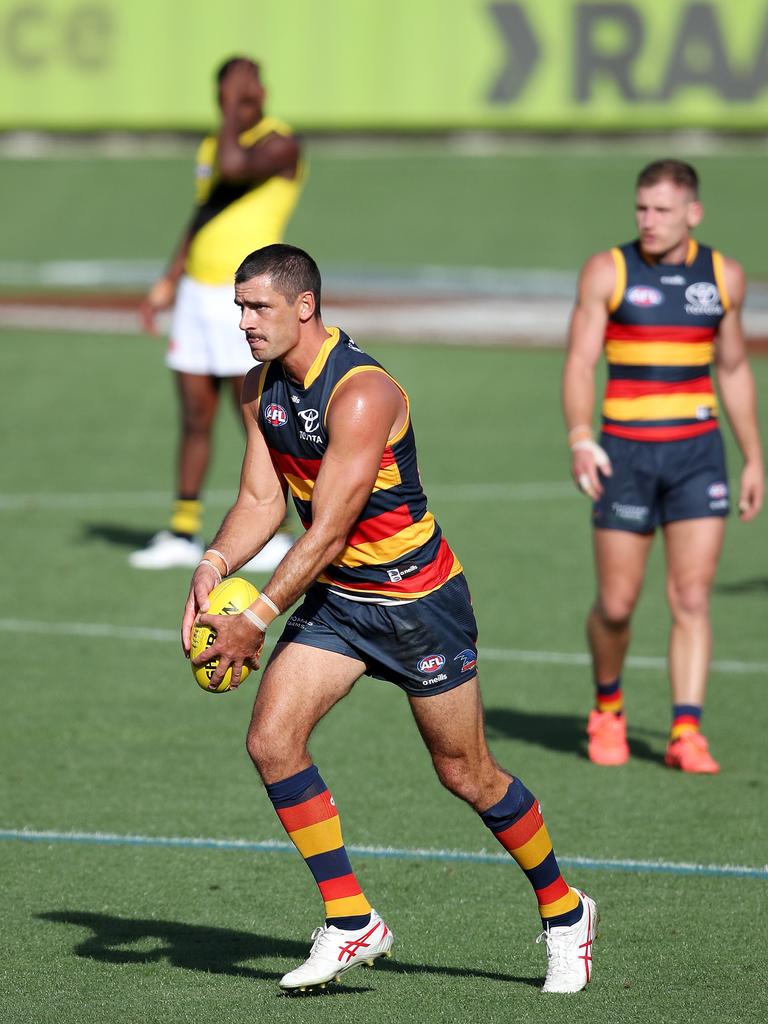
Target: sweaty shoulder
x,y
369,395
597,279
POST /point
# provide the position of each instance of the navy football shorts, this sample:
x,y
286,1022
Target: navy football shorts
x,y
659,482
425,646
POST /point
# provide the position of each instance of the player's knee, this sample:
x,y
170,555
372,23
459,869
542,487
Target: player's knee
x,y
615,610
264,749
196,422
689,601
461,777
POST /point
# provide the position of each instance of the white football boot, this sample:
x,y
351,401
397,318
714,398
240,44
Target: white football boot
x,y
569,950
335,951
271,555
167,551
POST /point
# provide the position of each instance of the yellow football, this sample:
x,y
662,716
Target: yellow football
x,y
228,598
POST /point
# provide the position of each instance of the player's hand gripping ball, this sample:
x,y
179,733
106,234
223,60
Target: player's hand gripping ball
x,y
229,598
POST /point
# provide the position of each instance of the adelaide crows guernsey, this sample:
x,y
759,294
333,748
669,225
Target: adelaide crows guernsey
x,y
395,550
659,344
235,217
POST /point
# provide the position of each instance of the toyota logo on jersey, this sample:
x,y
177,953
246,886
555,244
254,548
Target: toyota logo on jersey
x,y
275,415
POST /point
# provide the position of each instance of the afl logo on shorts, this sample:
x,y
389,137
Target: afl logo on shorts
x,y
645,296
275,415
432,663
718,490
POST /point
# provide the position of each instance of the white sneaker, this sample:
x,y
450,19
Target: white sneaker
x,y
167,551
271,555
335,951
569,950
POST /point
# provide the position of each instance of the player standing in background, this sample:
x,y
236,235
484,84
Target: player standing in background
x,y
665,309
248,180
384,596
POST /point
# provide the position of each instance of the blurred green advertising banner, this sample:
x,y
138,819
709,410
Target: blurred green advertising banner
x,y
389,64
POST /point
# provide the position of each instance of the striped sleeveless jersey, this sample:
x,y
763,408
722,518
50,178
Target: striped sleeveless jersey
x,y
395,550
659,344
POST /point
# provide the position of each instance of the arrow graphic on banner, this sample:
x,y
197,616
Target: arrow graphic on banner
x,y
522,51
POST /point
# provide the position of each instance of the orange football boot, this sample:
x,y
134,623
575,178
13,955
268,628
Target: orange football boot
x,y
607,734
690,753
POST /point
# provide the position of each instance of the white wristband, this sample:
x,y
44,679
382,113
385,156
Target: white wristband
x,y
205,561
213,551
598,453
254,618
270,603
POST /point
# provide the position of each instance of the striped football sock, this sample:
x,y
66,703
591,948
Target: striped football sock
x,y
187,517
609,697
517,823
685,718
309,816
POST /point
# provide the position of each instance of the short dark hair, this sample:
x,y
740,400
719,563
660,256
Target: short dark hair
x,y
676,171
221,73
291,270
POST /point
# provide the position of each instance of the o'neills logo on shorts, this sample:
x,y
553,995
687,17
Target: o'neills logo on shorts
x,y
632,513
441,678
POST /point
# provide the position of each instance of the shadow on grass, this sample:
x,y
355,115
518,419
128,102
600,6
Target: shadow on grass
x,y
218,950
113,533
757,585
564,733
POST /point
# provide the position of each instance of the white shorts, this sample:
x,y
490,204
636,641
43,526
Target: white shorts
x,y
205,336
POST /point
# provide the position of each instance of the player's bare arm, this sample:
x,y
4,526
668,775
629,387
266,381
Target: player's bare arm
x,y
737,391
162,294
253,519
274,155
366,411
585,346
364,414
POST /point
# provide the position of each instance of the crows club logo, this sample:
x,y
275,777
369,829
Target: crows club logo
x,y
468,659
275,415
644,295
432,663
703,299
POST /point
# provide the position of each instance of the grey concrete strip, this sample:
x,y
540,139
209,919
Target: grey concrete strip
x,y
487,321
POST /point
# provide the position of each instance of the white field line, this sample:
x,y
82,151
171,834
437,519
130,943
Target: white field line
x,y
545,490
379,852
108,631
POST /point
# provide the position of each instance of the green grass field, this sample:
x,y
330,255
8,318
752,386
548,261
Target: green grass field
x,y
104,733
549,209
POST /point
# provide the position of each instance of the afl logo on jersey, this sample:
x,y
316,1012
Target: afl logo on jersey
x,y
644,295
432,663
275,415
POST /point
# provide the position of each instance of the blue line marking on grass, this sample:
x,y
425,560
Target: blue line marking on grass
x,y
382,853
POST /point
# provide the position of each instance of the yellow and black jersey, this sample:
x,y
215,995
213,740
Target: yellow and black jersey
x,y
235,217
659,344
395,550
